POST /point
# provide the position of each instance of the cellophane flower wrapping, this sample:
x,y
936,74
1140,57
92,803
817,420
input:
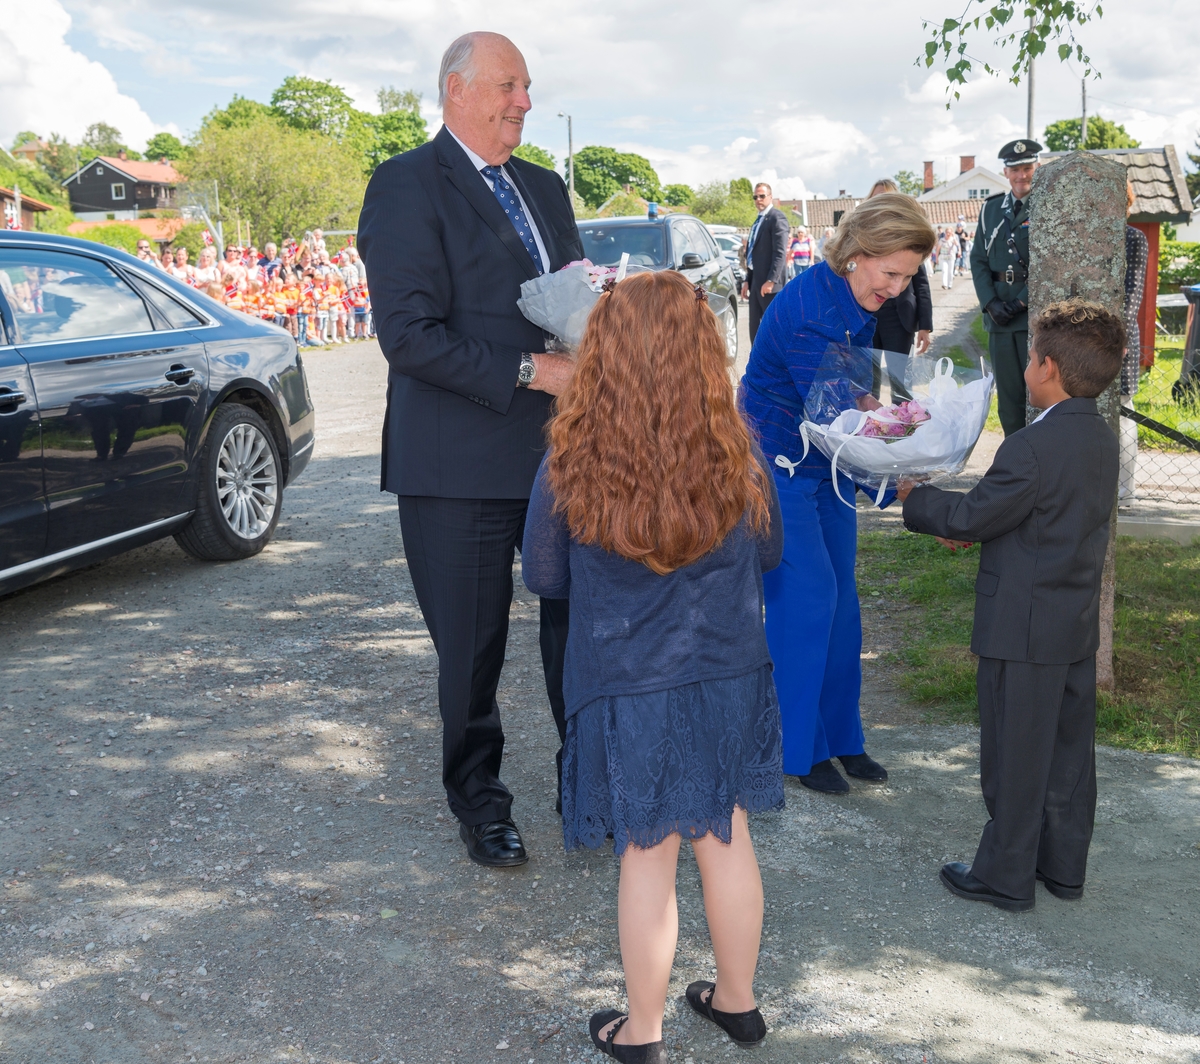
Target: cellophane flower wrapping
x,y
560,302
927,427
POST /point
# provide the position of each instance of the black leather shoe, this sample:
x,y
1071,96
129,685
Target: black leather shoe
x,y
863,767
1061,890
745,1028
825,778
647,1053
958,879
496,843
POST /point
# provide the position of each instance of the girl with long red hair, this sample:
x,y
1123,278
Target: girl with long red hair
x,y
654,512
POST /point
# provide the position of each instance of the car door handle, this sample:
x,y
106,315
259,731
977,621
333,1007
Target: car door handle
x,y
10,400
179,374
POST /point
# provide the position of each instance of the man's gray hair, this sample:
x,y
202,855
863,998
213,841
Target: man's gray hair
x,y
458,59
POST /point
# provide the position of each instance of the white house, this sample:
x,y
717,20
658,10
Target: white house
x,y
973,182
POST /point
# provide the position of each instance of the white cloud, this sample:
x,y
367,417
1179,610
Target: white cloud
x,y
48,86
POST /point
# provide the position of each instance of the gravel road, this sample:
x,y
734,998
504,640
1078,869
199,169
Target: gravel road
x,y
223,839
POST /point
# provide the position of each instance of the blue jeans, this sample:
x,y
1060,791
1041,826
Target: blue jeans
x,y
813,625
302,322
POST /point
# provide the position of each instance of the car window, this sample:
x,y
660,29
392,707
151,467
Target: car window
x,y
690,237
176,315
60,296
604,244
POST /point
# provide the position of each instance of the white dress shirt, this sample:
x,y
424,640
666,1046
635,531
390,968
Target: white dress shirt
x,y
1044,413
479,163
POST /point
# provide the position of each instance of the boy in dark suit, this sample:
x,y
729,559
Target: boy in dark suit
x,y
1042,513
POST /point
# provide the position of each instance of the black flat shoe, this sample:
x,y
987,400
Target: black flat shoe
x,y
1061,890
958,880
647,1053
863,767
825,778
745,1028
496,844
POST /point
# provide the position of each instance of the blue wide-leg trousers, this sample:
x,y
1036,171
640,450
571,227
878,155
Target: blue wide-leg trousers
x,y
814,629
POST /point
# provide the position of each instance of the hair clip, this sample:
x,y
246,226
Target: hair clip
x,y
701,294
608,286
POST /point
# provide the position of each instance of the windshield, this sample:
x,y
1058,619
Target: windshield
x,y
728,243
604,245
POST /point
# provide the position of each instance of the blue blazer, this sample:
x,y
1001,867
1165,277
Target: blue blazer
x,y
445,267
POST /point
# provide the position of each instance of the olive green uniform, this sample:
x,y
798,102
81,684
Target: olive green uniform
x,y
1000,272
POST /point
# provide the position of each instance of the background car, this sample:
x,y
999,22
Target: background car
x,y
731,242
669,242
133,407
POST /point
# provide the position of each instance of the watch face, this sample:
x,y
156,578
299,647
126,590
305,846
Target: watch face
x,y
527,371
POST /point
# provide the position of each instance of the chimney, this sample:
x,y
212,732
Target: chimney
x,y
121,154
841,193
928,174
965,163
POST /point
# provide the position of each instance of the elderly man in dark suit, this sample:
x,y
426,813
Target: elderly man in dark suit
x,y
449,231
766,256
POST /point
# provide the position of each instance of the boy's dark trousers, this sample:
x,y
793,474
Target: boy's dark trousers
x,y
1037,766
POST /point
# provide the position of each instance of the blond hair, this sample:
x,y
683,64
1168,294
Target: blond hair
x,y
878,227
884,184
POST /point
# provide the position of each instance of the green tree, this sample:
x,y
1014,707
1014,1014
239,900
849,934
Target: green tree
x,y
165,145
24,137
190,236
238,113
54,221
908,182
678,195
102,139
317,106
60,159
393,99
740,186
717,204
1193,180
280,179
1063,135
379,137
117,235
531,153
602,172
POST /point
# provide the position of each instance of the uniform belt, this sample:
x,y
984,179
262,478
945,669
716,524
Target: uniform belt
x,y
1013,275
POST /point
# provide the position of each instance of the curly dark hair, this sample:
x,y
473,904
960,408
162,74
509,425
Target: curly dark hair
x,y
1086,342
649,457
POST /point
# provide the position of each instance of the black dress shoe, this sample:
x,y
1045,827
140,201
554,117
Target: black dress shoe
x,y
959,880
496,843
863,767
1061,890
745,1028
646,1053
825,778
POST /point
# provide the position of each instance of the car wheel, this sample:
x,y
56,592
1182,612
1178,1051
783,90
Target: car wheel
x,y
241,477
731,332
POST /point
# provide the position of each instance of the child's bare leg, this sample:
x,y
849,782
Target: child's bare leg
x,y
733,903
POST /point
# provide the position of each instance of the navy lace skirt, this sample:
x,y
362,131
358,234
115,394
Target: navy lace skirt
x,y
677,761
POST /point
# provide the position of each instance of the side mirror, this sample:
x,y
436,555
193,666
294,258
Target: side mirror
x,y
690,261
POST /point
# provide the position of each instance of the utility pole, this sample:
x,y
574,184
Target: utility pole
x,y
1083,124
570,158
1029,110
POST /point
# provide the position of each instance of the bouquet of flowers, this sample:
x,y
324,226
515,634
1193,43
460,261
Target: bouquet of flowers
x,y
560,302
930,436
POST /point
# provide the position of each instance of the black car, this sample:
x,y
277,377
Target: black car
x,y
133,407
668,242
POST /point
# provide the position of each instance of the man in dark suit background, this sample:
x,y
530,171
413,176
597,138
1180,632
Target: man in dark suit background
x,y
449,231
766,256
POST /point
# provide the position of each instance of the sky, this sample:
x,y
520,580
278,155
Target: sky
x,y
815,98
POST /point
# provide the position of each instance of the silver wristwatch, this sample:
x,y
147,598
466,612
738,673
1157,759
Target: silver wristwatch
x,y
527,371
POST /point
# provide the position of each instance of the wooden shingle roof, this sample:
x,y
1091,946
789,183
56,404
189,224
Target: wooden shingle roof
x,y
939,212
1159,189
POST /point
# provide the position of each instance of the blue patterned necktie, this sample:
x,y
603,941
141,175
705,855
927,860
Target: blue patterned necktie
x,y
753,236
506,195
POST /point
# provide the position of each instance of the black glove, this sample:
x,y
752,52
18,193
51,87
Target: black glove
x,y
1003,311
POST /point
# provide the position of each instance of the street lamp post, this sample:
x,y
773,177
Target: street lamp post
x,y
570,156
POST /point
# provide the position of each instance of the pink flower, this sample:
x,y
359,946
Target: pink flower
x,y
895,422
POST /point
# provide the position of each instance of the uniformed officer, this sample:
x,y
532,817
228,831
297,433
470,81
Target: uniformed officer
x,y
1000,271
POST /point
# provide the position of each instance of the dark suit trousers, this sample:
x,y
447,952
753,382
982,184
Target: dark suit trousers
x,y
460,557
758,306
1037,763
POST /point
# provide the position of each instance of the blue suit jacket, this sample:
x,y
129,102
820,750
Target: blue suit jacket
x,y
445,267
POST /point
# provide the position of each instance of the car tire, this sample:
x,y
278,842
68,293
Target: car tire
x,y
240,491
731,332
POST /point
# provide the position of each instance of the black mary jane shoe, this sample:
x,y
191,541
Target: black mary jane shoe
x,y
647,1053
496,844
958,879
864,767
745,1028
1060,890
825,778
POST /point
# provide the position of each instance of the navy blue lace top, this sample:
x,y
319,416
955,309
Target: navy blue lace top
x,y
633,631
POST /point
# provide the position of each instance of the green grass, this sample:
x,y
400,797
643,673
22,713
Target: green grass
x,y
1154,399
979,333
1156,704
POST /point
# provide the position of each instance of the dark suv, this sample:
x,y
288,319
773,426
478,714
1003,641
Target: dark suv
x,y
131,408
668,242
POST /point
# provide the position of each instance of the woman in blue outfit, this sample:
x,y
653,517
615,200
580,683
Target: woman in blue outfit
x,y
656,515
812,617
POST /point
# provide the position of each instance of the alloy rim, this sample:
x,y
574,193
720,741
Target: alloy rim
x,y
731,336
247,481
